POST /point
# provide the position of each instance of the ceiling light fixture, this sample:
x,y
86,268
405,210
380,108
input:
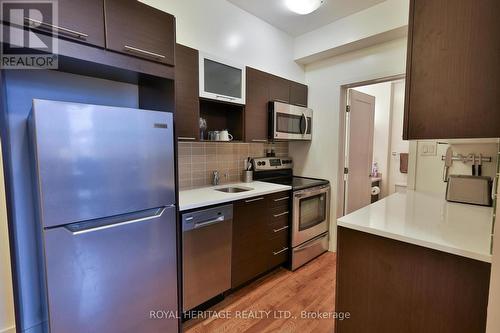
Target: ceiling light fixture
x,y
303,7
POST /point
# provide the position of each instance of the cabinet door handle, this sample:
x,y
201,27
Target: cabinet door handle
x,y
35,23
280,229
186,138
259,140
253,200
143,52
282,214
281,199
280,251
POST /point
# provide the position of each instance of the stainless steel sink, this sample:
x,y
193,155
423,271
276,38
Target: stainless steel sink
x,y
233,189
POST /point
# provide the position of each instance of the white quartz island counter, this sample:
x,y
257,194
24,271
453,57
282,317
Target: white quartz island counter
x,y
207,196
427,220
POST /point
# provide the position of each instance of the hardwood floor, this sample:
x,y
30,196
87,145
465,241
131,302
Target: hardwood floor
x,y
311,288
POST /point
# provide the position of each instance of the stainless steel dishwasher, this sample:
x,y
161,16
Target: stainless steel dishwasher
x,y
206,254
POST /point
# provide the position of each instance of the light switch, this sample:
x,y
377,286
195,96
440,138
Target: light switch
x,y
428,149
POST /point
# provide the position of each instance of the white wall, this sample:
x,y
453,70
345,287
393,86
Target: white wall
x,y
429,169
319,158
397,144
381,136
222,29
379,23
7,321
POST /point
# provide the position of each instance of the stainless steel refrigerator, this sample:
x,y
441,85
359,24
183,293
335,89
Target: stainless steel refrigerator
x,y
106,207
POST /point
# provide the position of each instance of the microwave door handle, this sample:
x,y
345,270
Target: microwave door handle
x,y
305,122
307,125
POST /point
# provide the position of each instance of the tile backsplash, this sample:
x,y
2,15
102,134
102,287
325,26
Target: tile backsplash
x,y
198,160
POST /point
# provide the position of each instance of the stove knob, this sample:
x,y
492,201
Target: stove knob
x,y
263,163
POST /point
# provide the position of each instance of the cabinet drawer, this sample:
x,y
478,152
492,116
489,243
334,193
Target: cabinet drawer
x,y
279,199
279,217
278,229
279,250
140,30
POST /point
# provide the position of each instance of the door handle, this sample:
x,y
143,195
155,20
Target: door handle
x,y
136,50
253,200
281,199
307,125
39,24
281,214
280,251
311,243
280,229
114,222
209,222
305,122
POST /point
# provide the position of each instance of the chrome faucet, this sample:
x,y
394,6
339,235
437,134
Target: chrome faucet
x,y
216,178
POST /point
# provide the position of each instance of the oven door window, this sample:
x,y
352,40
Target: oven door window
x,y
290,123
312,211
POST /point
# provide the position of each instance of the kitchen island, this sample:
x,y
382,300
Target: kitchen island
x,y
414,263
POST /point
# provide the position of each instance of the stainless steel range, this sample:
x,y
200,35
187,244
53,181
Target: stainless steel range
x,y
311,207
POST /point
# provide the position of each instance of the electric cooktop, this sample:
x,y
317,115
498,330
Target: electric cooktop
x,y
280,171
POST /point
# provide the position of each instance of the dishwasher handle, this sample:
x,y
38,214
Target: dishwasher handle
x,y
203,224
206,217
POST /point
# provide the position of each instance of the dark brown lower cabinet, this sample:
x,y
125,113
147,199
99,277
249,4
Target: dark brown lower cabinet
x,y
260,236
390,286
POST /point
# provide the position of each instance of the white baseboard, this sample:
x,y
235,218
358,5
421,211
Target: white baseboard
x,y
8,330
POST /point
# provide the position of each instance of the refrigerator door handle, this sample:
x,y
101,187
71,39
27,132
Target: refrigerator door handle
x,y
115,221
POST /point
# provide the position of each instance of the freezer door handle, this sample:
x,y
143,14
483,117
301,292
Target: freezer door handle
x,y
115,221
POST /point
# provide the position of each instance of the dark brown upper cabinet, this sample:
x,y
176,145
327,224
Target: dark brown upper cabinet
x,y
257,99
79,20
187,103
262,88
279,89
298,94
453,70
140,30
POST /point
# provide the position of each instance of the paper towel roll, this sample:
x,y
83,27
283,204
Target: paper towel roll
x,y
375,190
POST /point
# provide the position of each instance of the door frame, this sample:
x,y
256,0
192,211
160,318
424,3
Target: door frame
x,y
342,132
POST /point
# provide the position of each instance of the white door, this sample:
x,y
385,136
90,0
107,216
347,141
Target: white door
x,y
359,152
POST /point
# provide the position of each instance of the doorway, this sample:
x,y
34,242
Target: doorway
x,y
373,158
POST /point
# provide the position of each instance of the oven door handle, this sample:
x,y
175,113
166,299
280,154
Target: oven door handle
x,y
310,192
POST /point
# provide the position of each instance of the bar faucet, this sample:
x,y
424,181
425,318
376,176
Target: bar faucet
x,y
216,178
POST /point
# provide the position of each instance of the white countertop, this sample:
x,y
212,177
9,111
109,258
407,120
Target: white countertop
x,y
427,220
207,196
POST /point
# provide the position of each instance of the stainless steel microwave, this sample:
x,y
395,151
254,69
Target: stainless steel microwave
x,y
289,122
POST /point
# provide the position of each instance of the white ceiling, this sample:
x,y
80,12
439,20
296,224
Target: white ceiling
x,y
275,13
